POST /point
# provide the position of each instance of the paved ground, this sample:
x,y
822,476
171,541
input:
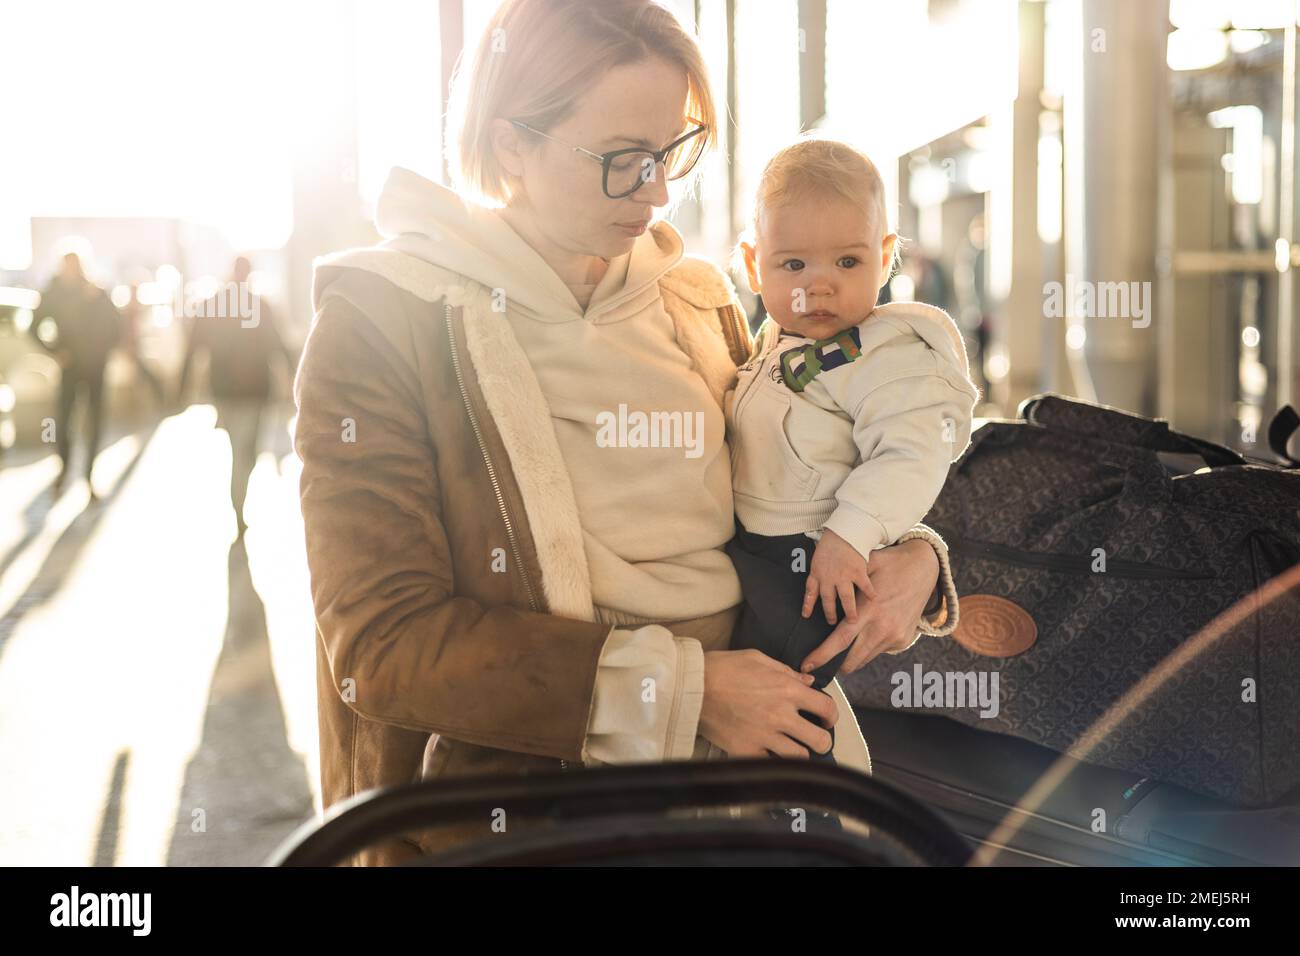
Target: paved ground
x,y
157,695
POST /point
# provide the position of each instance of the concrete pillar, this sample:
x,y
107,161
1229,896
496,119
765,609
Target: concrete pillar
x,y
812,62
451,32
1116,143
1016,266
327,214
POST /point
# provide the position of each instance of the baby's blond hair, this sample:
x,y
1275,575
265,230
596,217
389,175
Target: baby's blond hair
x,y
815,166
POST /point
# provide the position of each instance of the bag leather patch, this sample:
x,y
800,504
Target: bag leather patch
x,y
994,627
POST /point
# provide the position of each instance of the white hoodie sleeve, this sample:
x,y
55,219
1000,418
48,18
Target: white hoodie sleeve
x,y
648,695
911,409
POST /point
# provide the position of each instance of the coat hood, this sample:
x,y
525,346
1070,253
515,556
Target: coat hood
x,y
935,326
431,223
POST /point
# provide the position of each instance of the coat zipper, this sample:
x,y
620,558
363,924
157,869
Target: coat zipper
x,y
487,461
491,470
1062,562
744,388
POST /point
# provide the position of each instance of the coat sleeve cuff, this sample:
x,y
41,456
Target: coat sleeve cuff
x,y
943,621
647,698
688,700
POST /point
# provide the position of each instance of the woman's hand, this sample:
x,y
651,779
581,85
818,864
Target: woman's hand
x,y
904,576
752,702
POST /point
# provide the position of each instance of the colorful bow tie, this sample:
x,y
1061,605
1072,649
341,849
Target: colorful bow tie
x,y
801,365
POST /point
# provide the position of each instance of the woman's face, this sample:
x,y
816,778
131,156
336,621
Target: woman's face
x,y
639,104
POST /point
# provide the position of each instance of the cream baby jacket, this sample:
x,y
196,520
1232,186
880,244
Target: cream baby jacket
x,y
864,448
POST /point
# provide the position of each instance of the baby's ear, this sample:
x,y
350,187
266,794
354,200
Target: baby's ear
x,y
750,256
888,251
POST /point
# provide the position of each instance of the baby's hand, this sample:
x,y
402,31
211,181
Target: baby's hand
x,y
836,568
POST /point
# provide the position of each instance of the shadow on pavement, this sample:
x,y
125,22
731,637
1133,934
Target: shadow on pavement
x,y
245,789
54,569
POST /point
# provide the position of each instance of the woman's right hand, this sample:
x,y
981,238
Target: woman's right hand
x,y
752,703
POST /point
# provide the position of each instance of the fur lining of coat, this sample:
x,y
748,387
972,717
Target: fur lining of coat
x,y
692,292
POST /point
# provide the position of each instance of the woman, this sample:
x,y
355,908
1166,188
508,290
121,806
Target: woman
x,y
504,581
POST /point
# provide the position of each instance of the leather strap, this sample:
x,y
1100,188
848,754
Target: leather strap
x,y
733,320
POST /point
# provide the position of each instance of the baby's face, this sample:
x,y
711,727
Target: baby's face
x,y
819,264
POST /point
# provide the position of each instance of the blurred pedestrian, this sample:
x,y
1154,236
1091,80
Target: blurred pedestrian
x,y
930,280
238,332
133,314
78,324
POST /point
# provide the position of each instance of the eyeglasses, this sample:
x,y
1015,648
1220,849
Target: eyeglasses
x,y
627,170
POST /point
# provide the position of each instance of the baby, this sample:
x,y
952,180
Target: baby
x,y
844,421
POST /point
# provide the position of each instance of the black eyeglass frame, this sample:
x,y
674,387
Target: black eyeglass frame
x,y
607,159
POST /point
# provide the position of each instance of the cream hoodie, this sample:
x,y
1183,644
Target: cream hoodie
x,y
654,518
653,495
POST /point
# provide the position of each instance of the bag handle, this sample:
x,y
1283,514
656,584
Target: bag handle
x,y
1114,425
1284,424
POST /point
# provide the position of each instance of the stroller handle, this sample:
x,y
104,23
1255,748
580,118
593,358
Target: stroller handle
x,y
365,818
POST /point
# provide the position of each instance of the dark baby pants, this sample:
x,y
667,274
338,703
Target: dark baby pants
x,y
773,598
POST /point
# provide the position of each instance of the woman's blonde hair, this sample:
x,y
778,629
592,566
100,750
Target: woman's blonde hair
x,y
536,58
814,165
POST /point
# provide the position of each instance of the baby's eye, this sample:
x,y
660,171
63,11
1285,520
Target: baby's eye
x,y
848,262
797,264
